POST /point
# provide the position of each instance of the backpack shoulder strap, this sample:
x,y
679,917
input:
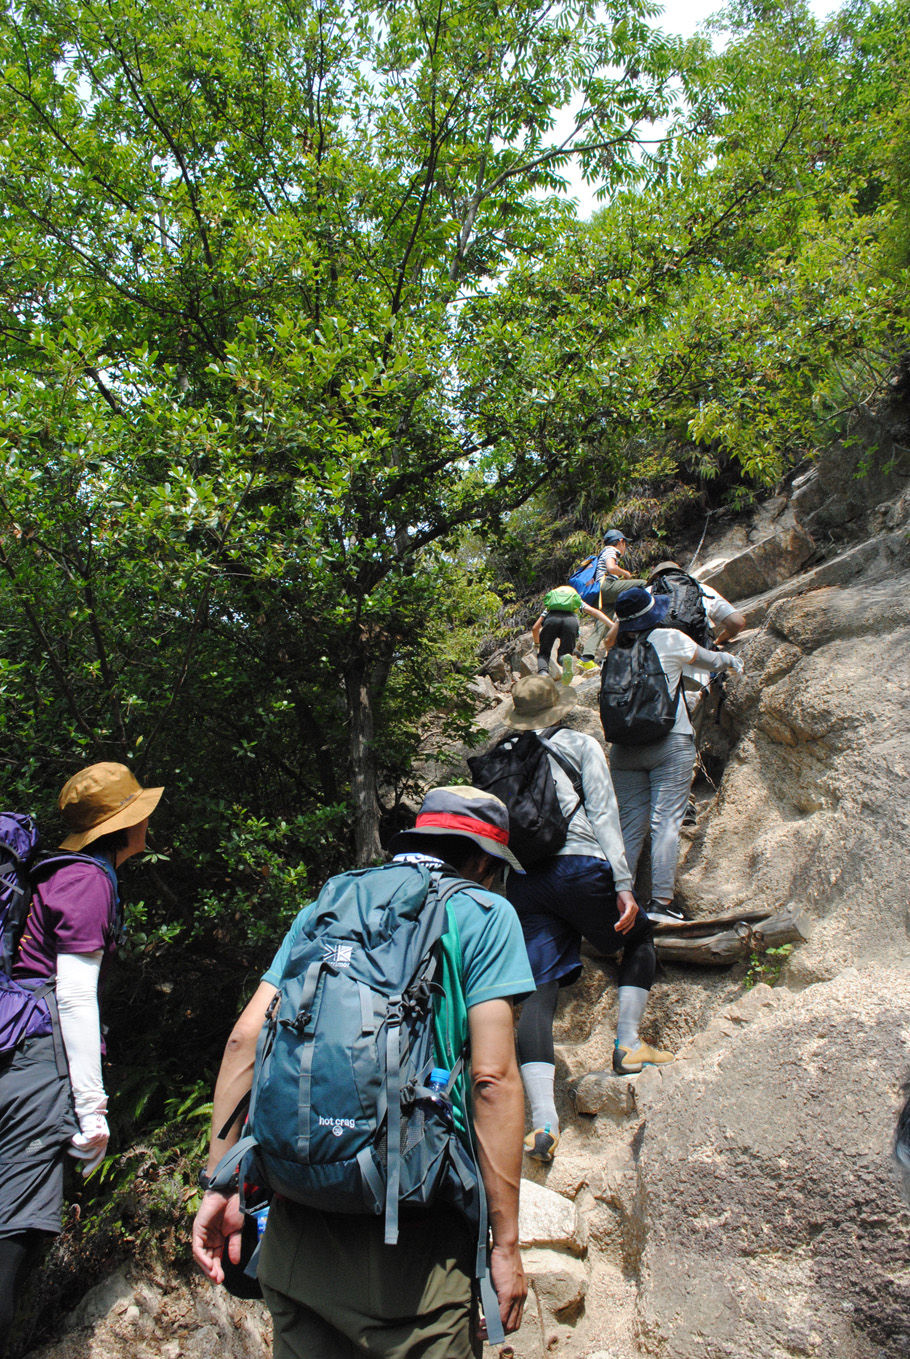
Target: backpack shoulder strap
x,y
568,769
51,860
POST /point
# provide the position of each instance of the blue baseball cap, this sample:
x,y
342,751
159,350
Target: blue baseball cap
x,y
614,536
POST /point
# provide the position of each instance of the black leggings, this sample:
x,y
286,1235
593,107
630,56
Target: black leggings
x,y
535,1025
561,627
15,1253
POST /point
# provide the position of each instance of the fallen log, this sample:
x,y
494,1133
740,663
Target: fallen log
x,y
722,948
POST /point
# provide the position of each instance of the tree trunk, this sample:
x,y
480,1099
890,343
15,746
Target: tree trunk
x,y
359,700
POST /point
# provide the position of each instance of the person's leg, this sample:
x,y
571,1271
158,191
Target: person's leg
x,y
549,635
568,635
538,1068
14,1251
632,786
593,640
298,1333
671,780
585,898
636,976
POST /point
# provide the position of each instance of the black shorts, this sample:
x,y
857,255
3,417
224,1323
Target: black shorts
x,y
36,1123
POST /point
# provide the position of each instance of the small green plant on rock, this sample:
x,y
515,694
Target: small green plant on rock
x,y
766,967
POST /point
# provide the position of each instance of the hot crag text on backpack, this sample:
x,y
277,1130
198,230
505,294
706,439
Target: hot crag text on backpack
x,y
518,772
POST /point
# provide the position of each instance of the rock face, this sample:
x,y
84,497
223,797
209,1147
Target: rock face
x,y
772,1220
807,813
132,1316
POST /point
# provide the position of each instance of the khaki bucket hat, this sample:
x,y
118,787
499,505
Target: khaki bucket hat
x,y
537,702
103,798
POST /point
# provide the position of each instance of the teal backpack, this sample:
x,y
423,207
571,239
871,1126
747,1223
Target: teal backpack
x,y
345,1056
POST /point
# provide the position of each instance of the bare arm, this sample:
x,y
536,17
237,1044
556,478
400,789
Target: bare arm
x,y
731,627
498,1104
595,613
219,1219
611,635
535,630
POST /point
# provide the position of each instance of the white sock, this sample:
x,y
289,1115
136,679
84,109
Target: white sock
x,y
632,1002
539,1079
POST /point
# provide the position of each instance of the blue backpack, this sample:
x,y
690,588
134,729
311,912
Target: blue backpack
x,y
341,1115
584,582
24,1011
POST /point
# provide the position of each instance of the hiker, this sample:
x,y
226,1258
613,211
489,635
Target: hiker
x,y
652,778
710,620
613,578
583,891
332,1285
710,617
559,623
52,1097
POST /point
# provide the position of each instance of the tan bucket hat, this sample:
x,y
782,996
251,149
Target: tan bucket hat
x,y
103,798
538,701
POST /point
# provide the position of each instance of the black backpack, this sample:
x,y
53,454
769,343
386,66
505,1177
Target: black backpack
x,y
636,706
687,604
518,772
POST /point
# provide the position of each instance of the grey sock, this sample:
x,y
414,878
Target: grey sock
x,y
539,1079
632,1002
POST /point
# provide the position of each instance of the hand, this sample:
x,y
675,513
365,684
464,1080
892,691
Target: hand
x,y
89,1144
218,1221
511,1287
628,910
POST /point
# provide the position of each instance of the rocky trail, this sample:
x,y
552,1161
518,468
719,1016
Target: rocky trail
x,y
739,1202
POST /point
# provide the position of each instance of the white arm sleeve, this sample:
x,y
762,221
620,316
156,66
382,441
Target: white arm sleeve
x,y
715,660
77,1001
603,813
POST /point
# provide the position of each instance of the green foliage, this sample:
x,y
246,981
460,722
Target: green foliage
x,y
767,966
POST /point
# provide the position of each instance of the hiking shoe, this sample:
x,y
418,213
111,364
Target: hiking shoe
x,y
690,818
586,665
541,1144
666,913
568,669
629,1061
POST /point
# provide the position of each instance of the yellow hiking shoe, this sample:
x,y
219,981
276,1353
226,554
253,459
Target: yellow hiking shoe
x,y
629,1061
541,1144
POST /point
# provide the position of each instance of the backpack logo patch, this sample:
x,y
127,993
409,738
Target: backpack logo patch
x,y
339,955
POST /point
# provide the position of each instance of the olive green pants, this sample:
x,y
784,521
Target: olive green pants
x,y
336,1291
611,589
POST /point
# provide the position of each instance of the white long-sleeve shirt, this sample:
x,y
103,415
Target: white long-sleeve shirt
x,y
594,829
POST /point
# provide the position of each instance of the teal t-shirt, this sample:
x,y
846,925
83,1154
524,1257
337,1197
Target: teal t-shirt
x,y
483,958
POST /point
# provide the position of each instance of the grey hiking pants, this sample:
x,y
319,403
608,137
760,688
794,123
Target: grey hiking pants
x,y
652,788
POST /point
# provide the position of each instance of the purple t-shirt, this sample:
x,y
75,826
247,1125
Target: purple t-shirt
x,y
72,911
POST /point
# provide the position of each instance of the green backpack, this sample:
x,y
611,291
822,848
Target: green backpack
x,y
564,599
